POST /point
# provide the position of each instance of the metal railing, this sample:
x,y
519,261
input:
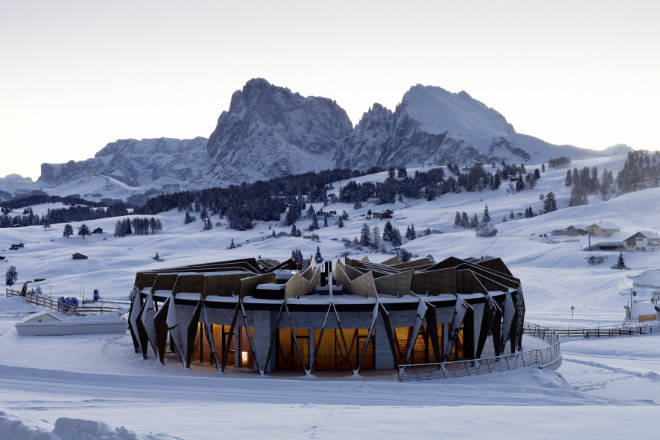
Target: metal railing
x,y
540,358
54,304
587,333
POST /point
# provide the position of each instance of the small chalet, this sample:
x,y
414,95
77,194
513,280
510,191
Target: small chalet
x,y
383,214
603,229
15,247
79,256
645,241
573,231
97,231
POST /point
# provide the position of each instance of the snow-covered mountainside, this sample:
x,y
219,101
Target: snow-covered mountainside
x,y
432,125
269,132
135,163
14,184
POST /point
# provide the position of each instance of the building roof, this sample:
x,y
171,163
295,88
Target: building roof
x,y
605,225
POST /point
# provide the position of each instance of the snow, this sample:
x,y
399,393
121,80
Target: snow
x,y
97,387
439,111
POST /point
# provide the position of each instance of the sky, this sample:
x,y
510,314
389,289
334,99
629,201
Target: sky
x,y
76,75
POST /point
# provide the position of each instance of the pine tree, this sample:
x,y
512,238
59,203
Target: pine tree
x,y
297,256
457,220
387,231
119,229
232,245
11,276
396,237
365,235
475,221
620,264
317,257
207,224
486,216
294,231
410,232
550,202
569,180
68,231
83,231
465,220
340,222
375,236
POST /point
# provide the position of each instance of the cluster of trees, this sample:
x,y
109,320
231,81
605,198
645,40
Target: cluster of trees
x,y
83,231
429,184
137,226
80,210
641,170
559,162
462,220
262,200
584,182
372,238
297,256
483,227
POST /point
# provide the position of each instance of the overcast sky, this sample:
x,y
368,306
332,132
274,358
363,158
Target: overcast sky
x,y
75,75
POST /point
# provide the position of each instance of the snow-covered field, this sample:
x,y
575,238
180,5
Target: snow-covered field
x,y
96,387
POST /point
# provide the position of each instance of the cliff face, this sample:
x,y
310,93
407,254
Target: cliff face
x,y
269,131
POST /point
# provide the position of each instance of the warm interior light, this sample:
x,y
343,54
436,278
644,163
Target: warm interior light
x,y
244,357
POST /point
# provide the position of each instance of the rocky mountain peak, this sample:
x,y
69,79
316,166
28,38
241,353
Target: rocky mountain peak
x,y
269,131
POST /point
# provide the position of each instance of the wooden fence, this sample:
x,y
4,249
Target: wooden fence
x,y
54,304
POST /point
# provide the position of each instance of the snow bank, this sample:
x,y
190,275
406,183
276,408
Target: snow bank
x,y
65,428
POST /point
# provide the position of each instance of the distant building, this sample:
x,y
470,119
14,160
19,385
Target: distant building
x,y
383,214
79,256
608,246
603,229
645,241
97,231
573,231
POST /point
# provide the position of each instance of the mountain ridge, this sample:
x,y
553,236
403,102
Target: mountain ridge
x,y
269,131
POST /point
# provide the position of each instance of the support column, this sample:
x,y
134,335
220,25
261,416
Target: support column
x,y
384,358
312,347
262,334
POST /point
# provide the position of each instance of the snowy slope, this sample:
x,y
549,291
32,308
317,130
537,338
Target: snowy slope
x,y
96,387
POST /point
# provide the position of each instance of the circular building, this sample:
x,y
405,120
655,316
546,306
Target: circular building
x,y
351,315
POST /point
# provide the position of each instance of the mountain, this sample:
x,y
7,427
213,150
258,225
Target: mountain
x,y
432,125
269,132
144,164
14,184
